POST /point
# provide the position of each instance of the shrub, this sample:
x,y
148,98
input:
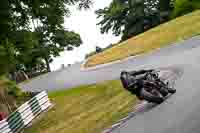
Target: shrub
x,y
185,6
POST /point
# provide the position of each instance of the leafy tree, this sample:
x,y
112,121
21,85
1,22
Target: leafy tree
x,y
7,56
32,31
132,17
135,19
114,17
52,45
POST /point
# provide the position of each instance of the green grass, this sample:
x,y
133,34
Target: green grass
x,y
85,109
178,29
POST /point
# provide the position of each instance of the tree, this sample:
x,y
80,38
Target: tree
x,y
135,19
52,45
53,38
32,30
131,17
113,17
7,56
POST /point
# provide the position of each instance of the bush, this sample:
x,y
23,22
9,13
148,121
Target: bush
x,y
7,56
11,87
183,7
11,96
14,90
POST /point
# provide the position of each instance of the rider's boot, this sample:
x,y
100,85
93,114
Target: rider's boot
x,y
171,90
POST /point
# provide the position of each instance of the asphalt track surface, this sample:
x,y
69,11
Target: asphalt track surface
x,y
170,75
180,113
185,52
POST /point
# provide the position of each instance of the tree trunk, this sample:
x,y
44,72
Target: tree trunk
x,y
164,8
47,65
164,5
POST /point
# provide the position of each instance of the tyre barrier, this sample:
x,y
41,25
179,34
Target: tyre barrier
x,y
25,114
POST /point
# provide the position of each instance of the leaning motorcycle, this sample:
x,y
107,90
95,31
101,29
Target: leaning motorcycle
x,y
155,90
149,87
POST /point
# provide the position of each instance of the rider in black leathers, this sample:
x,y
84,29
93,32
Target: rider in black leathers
x,y
135,84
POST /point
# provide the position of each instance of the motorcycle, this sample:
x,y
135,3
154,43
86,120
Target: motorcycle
x,y
155,90
149,87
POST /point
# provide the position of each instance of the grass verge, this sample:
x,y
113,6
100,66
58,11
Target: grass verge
x,y
85,109
160,36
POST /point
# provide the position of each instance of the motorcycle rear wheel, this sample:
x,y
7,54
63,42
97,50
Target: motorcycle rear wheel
x,y
164,91
148,96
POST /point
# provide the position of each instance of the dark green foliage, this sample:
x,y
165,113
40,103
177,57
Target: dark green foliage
x,y
10,86
11,95
131,17
185,6
14,90
7,56
32,32
114,17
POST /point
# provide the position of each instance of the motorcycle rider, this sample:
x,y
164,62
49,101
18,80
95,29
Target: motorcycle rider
x,y
135,82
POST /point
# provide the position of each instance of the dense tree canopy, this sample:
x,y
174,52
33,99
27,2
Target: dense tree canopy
x,y
32,32
131,17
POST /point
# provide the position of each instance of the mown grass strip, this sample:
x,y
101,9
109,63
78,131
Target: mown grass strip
x,y
85,109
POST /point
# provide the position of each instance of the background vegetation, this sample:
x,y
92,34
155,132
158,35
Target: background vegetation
x,y
132,17
32,32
